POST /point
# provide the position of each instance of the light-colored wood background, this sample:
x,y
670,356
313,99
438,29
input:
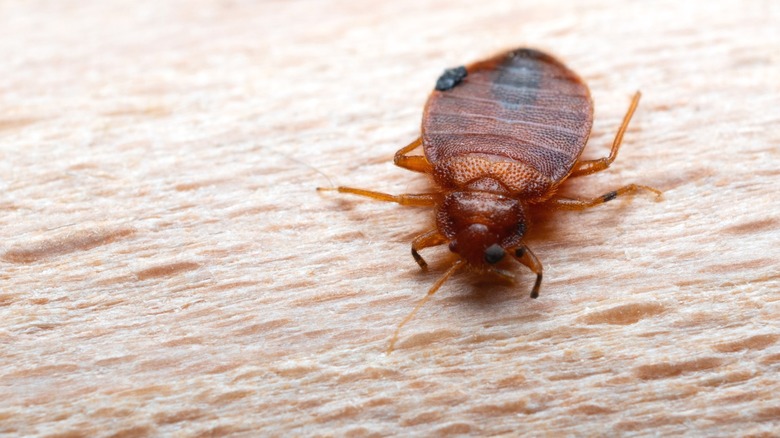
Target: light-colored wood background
x,y
167,267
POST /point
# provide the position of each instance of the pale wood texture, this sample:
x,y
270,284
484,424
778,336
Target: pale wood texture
x,y
168,268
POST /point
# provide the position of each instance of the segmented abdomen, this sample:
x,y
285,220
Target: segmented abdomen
x,y
523,111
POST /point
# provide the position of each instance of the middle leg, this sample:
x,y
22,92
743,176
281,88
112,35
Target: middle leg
x,y
416,200
582,204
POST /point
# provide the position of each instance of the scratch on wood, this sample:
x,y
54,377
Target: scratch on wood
x,y
427,338
164,418
768,414
261,328
65,242
454,429
8,124
186,340
665,370
197,184
625,314
232,396
757,226
116,360
757,342
43,370
728,268
590,409
166,270
132,432
429,417
510,407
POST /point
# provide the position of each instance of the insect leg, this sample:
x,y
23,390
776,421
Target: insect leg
x,y
426,240
582,204
418,200
416,163
526,257
587,167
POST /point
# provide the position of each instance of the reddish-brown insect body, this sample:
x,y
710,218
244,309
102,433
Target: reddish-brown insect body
x,y
499,136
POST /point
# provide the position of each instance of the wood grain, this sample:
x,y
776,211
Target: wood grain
x,y
167,268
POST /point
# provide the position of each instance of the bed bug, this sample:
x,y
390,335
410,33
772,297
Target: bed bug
x,y
499,137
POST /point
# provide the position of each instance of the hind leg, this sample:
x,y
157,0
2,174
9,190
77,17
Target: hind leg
x,y
416,163
587,167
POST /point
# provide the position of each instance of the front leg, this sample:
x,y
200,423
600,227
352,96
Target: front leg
x,y
426,240
526,257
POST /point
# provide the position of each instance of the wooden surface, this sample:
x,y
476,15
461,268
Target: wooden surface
x,y
167,267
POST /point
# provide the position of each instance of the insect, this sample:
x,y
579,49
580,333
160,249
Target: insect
x,y
499,137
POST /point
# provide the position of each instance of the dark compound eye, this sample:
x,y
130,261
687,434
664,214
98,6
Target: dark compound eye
x,y
493,254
